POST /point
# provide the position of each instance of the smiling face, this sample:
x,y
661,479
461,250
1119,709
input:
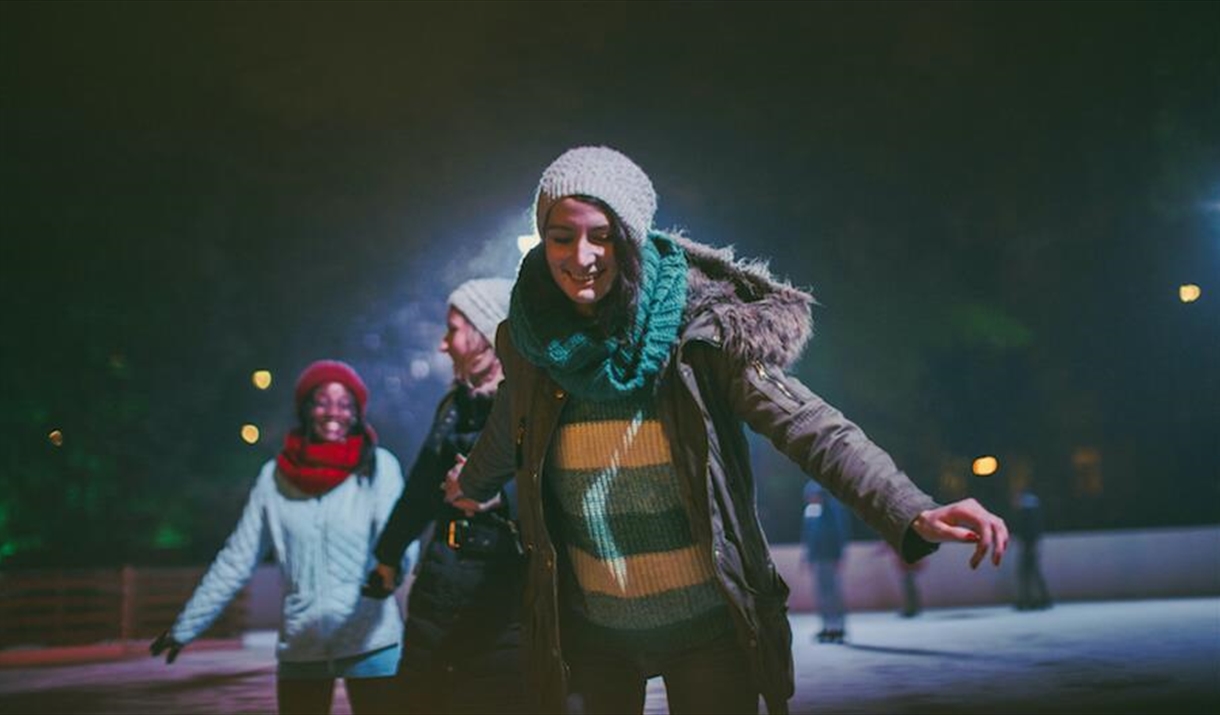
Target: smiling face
x,y
332,412
579,242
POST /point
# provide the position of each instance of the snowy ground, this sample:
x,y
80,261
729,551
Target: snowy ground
x,y
1108,657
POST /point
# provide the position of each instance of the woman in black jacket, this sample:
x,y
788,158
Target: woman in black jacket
x,y
462,636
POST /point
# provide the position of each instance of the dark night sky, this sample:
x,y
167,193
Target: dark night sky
x,y
994,203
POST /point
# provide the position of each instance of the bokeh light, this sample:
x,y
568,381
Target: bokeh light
x,y
249,433
525,243
56,437
261,379
985,466
1189,292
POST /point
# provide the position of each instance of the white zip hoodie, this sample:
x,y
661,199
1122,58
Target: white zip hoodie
x,y
324,548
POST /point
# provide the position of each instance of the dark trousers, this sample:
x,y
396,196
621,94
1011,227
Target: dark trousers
x,y
830,595
713,679
367,696
910,594
464,676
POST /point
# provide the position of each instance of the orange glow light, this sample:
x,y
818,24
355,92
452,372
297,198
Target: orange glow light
x,y
985,466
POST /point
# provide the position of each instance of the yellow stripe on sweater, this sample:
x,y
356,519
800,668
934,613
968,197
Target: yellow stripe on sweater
x,y
641,575
610,444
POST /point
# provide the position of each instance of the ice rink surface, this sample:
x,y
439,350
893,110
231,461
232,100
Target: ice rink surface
x,y
1156,656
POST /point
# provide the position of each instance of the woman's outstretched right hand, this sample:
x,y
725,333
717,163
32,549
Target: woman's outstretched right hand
x,y
165,643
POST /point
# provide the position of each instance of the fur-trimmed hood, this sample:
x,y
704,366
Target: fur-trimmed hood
x,y
740,305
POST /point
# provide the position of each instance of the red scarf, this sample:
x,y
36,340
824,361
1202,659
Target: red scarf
x,y
317,467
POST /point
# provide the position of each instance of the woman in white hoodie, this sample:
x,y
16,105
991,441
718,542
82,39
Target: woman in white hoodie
x,y
319,506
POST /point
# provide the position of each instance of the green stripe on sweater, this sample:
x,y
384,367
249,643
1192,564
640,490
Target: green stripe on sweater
x,y
618,535
676,636
647,490
588,411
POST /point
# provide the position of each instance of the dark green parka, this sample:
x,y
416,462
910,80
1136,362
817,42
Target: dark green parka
x,y
742,329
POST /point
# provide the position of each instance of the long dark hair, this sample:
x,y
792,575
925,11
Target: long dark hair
x,y
368,453
614,315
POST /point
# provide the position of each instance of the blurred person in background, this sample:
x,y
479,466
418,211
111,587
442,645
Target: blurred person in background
x,y
912,603
825,533
1032,594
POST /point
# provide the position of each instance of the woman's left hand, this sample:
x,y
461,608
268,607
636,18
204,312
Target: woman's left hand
x,y
967,521
452,487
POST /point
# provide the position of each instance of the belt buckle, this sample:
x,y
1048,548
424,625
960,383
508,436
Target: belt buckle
x,y
457,533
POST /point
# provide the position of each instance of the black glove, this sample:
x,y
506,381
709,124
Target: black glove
x,y
165,642
374,587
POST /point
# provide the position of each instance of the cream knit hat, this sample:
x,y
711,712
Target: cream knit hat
x,y
605,174
484,302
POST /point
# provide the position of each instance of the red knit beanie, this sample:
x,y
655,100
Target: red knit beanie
x,y
324,371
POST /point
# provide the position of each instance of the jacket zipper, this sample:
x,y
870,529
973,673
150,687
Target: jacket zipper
x,y
521,443
539,467
320,576
762,372
713,550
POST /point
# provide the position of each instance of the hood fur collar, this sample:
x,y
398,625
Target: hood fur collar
x,y
738,304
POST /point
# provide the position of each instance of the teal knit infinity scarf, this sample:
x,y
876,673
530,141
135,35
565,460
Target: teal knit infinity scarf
x,y
595,368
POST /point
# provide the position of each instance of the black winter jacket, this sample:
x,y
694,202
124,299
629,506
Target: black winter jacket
x,y
464,606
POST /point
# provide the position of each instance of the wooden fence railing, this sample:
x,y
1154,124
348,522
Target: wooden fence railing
x,y
83,606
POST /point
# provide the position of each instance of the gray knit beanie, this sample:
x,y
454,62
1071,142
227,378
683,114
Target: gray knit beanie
x,y
604,174
484,302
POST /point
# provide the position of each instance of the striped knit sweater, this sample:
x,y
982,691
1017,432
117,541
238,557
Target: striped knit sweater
x,y
644,584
